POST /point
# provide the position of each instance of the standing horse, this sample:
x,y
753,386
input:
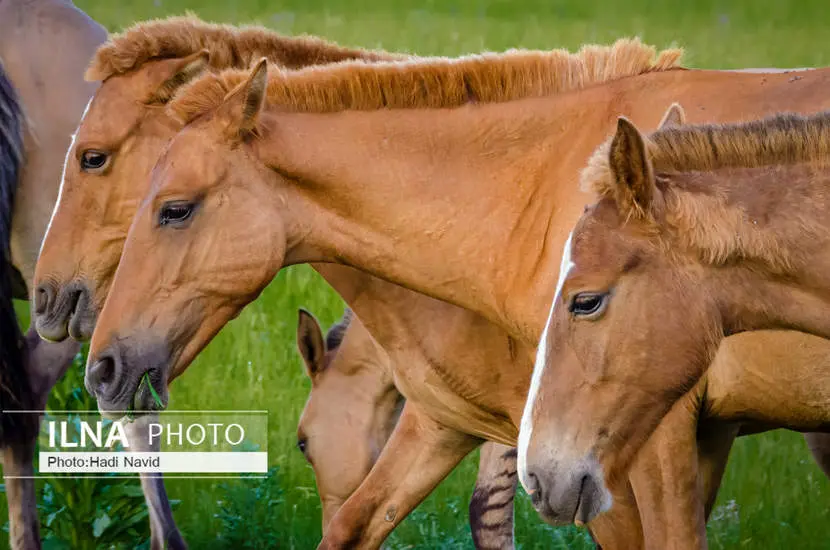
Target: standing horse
x,y
699,233
41,42
335,207
350,413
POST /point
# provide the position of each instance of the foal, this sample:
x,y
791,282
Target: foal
x,y
699,233
351,411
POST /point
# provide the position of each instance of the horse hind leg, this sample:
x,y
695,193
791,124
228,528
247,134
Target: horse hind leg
x,y
491,506
164,534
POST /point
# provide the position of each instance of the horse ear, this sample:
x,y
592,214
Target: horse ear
x,y
182,72
675,116
631,167
251,94
310,343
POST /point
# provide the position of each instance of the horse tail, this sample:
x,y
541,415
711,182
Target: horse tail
x,y
15,388
491,506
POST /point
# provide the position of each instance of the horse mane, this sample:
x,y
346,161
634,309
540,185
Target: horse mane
x,y
334,337
784,138
705,221
433,82
229,46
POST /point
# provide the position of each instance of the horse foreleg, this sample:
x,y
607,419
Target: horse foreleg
x,y
419,454
666,478
714,443
24,526
45,364
491,506
163,530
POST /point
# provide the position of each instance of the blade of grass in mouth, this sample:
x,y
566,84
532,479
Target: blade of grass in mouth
x,y
144,380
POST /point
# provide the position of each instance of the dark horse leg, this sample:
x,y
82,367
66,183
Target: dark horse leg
x,y
819,445
491,507
163,530
45,364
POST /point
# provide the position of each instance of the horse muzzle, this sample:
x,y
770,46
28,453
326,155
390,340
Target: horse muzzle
x,y
63,311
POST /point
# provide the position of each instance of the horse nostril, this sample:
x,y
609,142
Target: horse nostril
x,y
44,296
534,488
102,372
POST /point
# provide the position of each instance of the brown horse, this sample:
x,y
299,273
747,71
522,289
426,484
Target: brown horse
x,y
36,122
725,225
53,114
334,207
350,413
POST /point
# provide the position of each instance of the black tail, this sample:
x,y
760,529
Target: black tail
x,y
15,388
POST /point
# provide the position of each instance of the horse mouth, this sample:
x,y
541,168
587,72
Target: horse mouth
x,y
146,398
81,316
580,516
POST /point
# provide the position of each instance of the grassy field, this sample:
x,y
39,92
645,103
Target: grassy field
x,y
773,495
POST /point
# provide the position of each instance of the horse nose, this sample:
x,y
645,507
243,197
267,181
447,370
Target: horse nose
x,y
44,298
102,374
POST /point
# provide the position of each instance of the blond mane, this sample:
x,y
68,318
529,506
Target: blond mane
x,y
434,82
784,138
229,46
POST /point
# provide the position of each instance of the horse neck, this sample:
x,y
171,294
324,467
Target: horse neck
x,y
774,265
473,205
385,309
445,202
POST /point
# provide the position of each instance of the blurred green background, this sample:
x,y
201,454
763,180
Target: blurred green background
x,y
773,495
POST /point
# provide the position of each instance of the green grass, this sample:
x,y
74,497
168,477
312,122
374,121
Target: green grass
x,y
773,495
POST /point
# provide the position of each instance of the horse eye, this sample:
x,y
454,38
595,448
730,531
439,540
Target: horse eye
x,y
302,444
175,212
588,304
92,160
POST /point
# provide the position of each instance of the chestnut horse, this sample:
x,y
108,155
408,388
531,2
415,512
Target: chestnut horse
x,y
350,413
301,213
728,225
